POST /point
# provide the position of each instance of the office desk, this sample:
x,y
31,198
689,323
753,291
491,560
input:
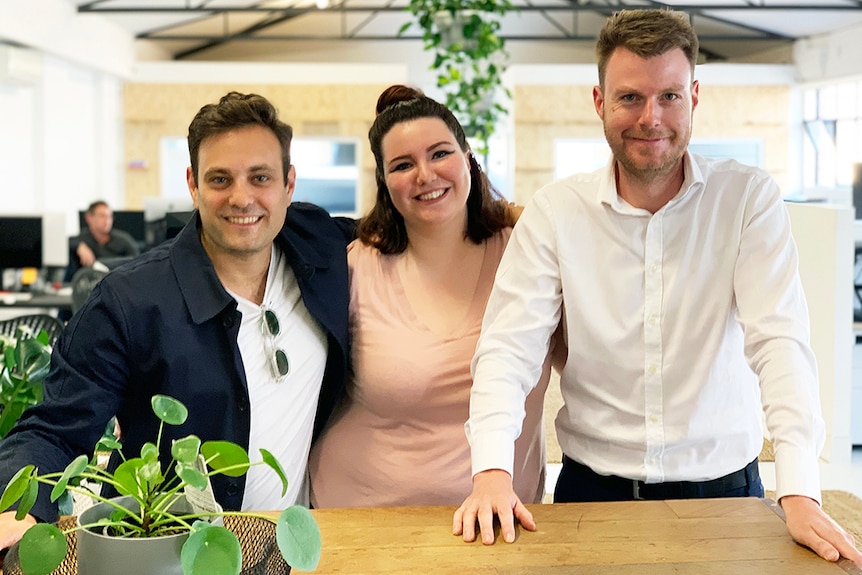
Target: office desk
x,y
37,301
704,537
688,537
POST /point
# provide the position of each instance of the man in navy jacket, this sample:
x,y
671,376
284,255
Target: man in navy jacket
x,y
166,323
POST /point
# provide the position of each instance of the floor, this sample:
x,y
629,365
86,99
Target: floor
x,y
832,477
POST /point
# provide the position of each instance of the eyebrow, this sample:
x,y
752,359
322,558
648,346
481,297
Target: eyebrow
x,y
428,149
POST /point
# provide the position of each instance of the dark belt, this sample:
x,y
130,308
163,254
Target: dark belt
x,y
675,489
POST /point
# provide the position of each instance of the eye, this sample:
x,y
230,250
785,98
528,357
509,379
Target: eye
x,y
261,178
671,97
399,167
218,181
440,154
628,97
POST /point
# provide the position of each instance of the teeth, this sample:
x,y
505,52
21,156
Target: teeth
x,y
243,220
432,195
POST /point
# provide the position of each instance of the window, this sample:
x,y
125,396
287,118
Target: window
x,y
832,122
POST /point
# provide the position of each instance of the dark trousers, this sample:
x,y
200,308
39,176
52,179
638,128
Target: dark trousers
x,y
579,483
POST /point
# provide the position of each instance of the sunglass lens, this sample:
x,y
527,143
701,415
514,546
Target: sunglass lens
x,y
271,322
281,362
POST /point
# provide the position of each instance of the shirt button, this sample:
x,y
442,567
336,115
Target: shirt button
x,y
652,320
652,369
653,419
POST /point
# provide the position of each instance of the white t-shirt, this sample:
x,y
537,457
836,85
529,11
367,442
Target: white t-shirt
x,y
282,410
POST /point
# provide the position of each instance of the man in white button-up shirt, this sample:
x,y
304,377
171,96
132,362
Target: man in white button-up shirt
x,y
684,315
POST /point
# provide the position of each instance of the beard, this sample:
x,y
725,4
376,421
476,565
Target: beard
x,y
647,167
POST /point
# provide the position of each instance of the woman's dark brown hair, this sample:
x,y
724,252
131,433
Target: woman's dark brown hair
x,y
384,227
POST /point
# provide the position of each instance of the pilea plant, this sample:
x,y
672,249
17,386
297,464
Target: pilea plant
x,y
154,489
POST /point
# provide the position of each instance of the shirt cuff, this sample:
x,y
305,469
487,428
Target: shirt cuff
x,y
797,473
493,451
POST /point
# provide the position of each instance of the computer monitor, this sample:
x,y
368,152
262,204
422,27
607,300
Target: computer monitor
x,y
130,221
176,221
20,242
28,241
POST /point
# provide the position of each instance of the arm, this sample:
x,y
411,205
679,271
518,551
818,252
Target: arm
x,y
85,255
522,313
774,316
80,395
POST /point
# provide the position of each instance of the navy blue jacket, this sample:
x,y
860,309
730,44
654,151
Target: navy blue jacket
x,y
164,324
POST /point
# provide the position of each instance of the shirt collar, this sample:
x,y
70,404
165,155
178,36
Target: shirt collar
x,y
693,182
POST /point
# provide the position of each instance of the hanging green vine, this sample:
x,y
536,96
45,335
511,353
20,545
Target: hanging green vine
x,y
469,58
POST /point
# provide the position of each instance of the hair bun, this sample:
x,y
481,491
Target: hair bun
x,y
397,93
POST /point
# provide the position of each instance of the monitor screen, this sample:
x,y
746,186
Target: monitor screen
x,y
20,242
130,221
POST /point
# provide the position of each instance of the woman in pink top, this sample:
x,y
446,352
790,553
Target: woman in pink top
x,y
421,272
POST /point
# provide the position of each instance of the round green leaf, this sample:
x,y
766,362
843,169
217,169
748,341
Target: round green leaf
x,y
16,487
211,550
169,410
298,538
74,469
190,475
270,460
42,549
223,454
149,452
126,476
186,449
66,504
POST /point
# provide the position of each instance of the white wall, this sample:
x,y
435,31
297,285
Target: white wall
x,y
61,142
824,238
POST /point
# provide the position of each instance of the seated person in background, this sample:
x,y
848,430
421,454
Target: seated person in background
x,y
100,240
186,319
421,272
677,277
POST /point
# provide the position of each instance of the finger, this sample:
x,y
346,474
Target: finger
x,y
486,524
843,543
469,525
819,545
525,518
507,523
457,521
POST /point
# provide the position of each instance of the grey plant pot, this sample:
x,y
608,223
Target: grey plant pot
x,y
100,554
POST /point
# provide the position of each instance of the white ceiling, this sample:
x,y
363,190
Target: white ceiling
x,y
210,29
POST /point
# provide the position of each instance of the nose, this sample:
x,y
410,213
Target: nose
x,y
241,196
424,172
651,113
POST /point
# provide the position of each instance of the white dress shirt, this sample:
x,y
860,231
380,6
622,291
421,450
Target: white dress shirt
x,y
282,410
671,321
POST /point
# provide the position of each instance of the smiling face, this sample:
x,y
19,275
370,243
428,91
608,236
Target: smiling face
x,y
646,107
426,172
241,193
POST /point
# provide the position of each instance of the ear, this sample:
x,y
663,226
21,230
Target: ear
x,y
599,101
291,183
193,189
695,94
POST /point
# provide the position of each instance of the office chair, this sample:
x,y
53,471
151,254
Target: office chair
x,y
83,282
33,323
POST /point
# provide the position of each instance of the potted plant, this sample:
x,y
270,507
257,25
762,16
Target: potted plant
x,y
469,58
26,360
153,504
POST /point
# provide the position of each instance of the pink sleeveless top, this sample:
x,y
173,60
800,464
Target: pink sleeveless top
x,y
399,439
